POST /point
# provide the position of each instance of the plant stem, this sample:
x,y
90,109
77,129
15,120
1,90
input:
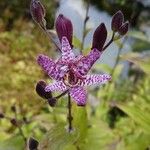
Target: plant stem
x,y
62,94
84,26
111,40
22,134
44,29
19,127
70,118
117,61
118,54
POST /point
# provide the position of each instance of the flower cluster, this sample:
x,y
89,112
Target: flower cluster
x,y
70,72
118,24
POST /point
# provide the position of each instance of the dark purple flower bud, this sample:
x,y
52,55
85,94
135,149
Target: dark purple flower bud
x,y
117,20
13,108
37,11
1,115
124,28
99,37
40,89
64,28
14,122
33,144
81,105
52,101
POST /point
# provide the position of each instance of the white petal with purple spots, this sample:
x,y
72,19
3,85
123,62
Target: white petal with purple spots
x,y
67,53
56,86
96,79
79,95
86,62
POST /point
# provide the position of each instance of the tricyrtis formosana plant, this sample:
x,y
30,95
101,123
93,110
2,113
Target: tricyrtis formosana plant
x,y
70,72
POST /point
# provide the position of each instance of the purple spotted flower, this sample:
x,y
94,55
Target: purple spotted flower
x,y
70,72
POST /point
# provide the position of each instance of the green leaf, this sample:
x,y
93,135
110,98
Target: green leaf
x,y
87,30
80,121
137,115
139,35
77,43
58,138
141,142
99,136
142,61
13,143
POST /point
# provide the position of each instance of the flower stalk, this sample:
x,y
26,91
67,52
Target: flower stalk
x,y
118,54
62,94
84,26
111,40
70,118
17,124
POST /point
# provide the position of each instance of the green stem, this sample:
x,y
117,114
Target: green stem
x,y
62,94
70,118
20,128
44,29
84,27
118,54
117,61
22,134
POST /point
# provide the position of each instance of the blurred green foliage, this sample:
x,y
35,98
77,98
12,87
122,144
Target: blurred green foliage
x,y
115,118
120,121
11,10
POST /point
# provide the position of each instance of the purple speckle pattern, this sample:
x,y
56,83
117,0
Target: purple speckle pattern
x,y
54,70
67,54
46,63
79,95
82,65
96,79
86,62
59,71
70,71
56,86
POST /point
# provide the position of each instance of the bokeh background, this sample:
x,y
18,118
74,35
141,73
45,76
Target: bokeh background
x,y
117,116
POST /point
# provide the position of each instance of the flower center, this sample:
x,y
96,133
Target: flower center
x,y
71,80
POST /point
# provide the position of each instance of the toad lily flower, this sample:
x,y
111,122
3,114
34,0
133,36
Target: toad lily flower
x,y
70,72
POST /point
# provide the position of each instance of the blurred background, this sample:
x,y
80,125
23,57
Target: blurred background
x,y
117,116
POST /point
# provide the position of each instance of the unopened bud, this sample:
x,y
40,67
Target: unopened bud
x,y
99,37
52,101
64,28
124,28
40,89
117,20
1,115
81,105
37,11
33,144
14,122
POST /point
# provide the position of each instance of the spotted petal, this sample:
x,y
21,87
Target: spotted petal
x,y
46,63
66,50
79,95
56,86
87,62
54,70
96,79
